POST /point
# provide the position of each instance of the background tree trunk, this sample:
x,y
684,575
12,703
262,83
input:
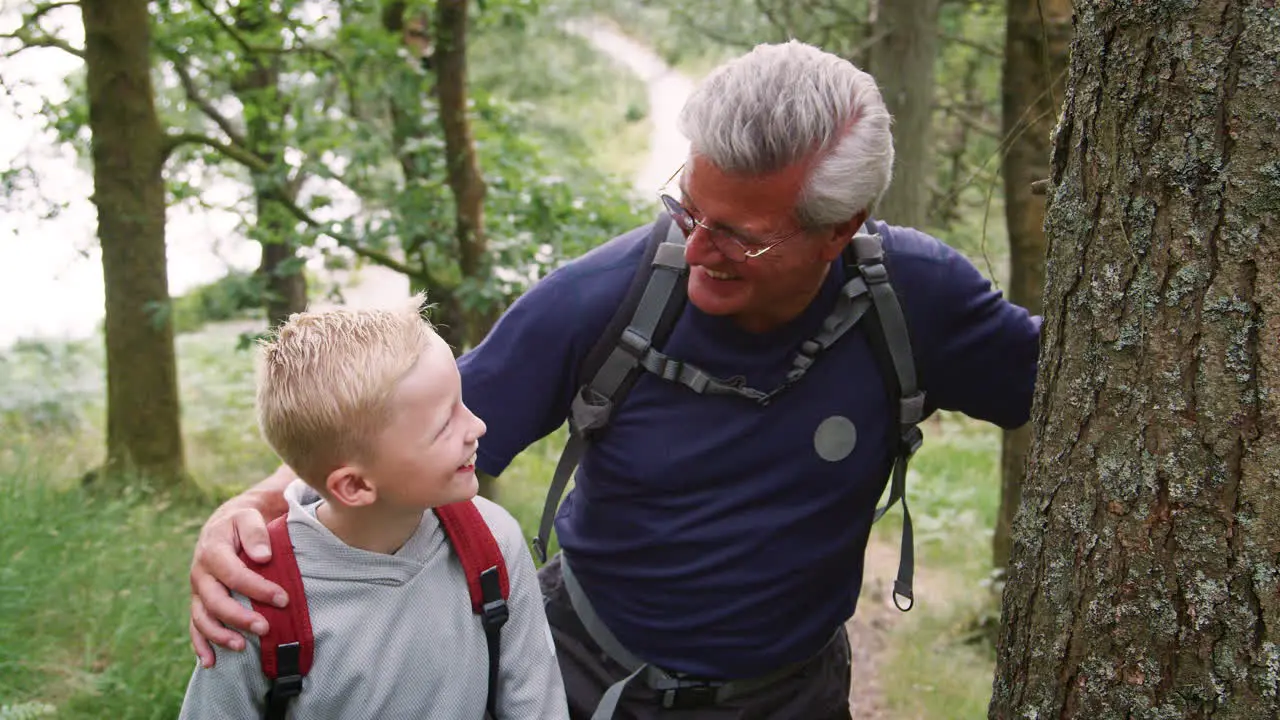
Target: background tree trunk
x,y
407,109
463,168
280,268
258,87
1144,579
902,62
1037,42
143,424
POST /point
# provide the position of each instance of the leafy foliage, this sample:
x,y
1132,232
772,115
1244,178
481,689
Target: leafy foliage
x,y
235,295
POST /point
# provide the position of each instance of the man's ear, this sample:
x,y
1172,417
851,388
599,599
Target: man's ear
x,y
349,486
840,236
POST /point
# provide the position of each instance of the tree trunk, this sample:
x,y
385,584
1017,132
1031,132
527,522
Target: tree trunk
x,y
258,89
281,270
902,62
408,128
143,424
1144,579
463,168
1037,38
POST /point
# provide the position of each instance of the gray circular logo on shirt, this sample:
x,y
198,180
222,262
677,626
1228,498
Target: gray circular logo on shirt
x,y
835,438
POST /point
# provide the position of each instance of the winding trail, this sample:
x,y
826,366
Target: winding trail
x,y
668,89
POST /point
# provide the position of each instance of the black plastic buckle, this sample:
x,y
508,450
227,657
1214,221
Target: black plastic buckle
x,y
493,611
284,688
690,695
494,614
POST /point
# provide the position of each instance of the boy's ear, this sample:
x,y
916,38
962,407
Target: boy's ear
x,y
349,486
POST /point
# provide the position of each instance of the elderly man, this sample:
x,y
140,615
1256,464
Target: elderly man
x,y
713,544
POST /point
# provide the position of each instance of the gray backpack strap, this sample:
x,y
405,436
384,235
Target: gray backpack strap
x,y
894,342
676,691
659,282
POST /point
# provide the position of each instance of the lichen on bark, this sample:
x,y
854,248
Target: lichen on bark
x,y
1143,580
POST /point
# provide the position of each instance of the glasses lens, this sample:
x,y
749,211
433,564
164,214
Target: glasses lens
x,y
678,213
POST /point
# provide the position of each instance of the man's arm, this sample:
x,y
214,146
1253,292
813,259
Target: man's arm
x,y
241,523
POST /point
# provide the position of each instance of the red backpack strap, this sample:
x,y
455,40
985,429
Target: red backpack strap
x,y
486,572
288,646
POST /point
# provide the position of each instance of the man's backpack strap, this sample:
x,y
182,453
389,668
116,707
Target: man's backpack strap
x,y
891,344
653,302
487,581
288,646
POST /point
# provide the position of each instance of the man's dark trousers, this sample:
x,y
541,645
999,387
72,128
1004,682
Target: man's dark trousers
x,y
819,690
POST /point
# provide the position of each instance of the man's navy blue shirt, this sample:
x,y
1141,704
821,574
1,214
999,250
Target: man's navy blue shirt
x,y
708,532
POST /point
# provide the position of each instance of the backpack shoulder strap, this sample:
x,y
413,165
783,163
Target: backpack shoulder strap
x,y
289,644
487,581
626,310
890,341
649,310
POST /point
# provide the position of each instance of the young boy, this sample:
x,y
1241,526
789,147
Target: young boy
x,y
366,406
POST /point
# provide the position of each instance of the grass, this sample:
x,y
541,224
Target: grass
x,y
93,597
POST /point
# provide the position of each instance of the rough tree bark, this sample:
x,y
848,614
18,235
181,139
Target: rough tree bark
x,y
1037,41
1144,579
128,149
463,168
902,62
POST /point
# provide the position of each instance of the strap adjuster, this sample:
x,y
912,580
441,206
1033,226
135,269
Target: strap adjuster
x,y
634,343
493,613
690,694
283,689
912,439
671,369
875,273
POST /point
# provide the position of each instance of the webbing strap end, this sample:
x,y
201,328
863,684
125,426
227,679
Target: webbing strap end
x,y
903,590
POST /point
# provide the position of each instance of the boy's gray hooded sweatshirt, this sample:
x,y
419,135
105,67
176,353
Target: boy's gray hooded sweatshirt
x,y
394,634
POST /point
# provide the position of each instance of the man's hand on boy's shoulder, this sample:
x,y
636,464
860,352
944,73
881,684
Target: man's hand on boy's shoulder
x,y
216,569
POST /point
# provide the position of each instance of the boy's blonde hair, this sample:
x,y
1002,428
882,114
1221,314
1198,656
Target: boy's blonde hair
x,y
325,379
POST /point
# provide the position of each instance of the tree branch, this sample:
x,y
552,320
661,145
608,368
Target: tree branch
x,y
231,152
704,30
30,41
31,35
206,107
228,29
959,40
45,8
255,164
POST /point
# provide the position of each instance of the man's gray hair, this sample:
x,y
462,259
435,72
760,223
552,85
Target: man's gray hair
x,y
780,104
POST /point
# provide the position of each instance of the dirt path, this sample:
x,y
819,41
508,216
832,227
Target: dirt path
x,y
869,628
668,89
